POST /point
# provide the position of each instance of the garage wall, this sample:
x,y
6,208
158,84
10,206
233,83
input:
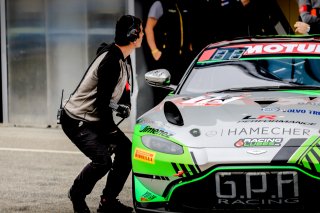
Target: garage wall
x,y
290,9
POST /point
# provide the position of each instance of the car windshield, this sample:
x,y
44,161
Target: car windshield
x,y
262,72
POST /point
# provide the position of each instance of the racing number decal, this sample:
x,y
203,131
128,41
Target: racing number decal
x,y
228,54
223,54
244,187
209,100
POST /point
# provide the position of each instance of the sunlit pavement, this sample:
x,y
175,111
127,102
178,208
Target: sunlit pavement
x,y
38,166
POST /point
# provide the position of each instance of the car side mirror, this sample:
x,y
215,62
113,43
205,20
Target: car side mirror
x,y
159,78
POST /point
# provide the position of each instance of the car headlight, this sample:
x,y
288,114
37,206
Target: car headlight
x,y
161,145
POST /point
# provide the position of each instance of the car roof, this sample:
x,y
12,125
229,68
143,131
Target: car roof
x,y
265,39
259,46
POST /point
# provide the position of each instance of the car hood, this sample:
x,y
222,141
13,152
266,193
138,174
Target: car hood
x,y
269,119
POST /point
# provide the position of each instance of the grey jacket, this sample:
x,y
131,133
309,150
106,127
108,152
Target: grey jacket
x,y
107,80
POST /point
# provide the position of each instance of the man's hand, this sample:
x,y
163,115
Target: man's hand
x,y
123,111
301,27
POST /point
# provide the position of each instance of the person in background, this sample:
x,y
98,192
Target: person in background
x,y
241,18
233,20
309,14
206,28
168,34
217,20
87,119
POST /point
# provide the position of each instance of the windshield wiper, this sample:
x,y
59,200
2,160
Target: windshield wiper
x,y
268,88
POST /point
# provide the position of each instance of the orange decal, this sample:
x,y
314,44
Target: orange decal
x,y
143,155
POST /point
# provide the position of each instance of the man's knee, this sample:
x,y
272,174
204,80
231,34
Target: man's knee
x,y
104,164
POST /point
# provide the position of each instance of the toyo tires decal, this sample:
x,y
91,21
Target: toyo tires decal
x,y
308,155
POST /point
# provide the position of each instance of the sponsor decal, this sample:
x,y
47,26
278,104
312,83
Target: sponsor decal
x,y
267,130
144,155
296,111
256,142
161,132
270,201
302,111
195,132
270,109
270,119
282,48
148,196
234,52
257,188
209,100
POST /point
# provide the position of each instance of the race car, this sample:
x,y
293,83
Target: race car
x,y
239,132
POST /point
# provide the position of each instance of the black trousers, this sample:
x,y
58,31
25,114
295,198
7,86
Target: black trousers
x,y
99,146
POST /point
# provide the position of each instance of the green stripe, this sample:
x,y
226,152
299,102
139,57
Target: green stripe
x,y
196,168
304,92
316,150
305,163
299,153
188,169
193,169
314,161
308,150
314,144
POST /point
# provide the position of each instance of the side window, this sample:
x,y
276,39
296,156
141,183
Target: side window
x,y
298,70
281,68
307,71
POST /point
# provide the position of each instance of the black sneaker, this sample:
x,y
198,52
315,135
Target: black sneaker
x,y
79,204
107,206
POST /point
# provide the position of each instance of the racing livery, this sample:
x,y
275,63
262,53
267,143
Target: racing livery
x,y
239,132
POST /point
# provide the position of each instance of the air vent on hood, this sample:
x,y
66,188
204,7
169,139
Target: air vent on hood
x,y
172,113
265,103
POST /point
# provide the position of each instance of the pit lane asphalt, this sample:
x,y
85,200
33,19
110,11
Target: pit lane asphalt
x,y
38,165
